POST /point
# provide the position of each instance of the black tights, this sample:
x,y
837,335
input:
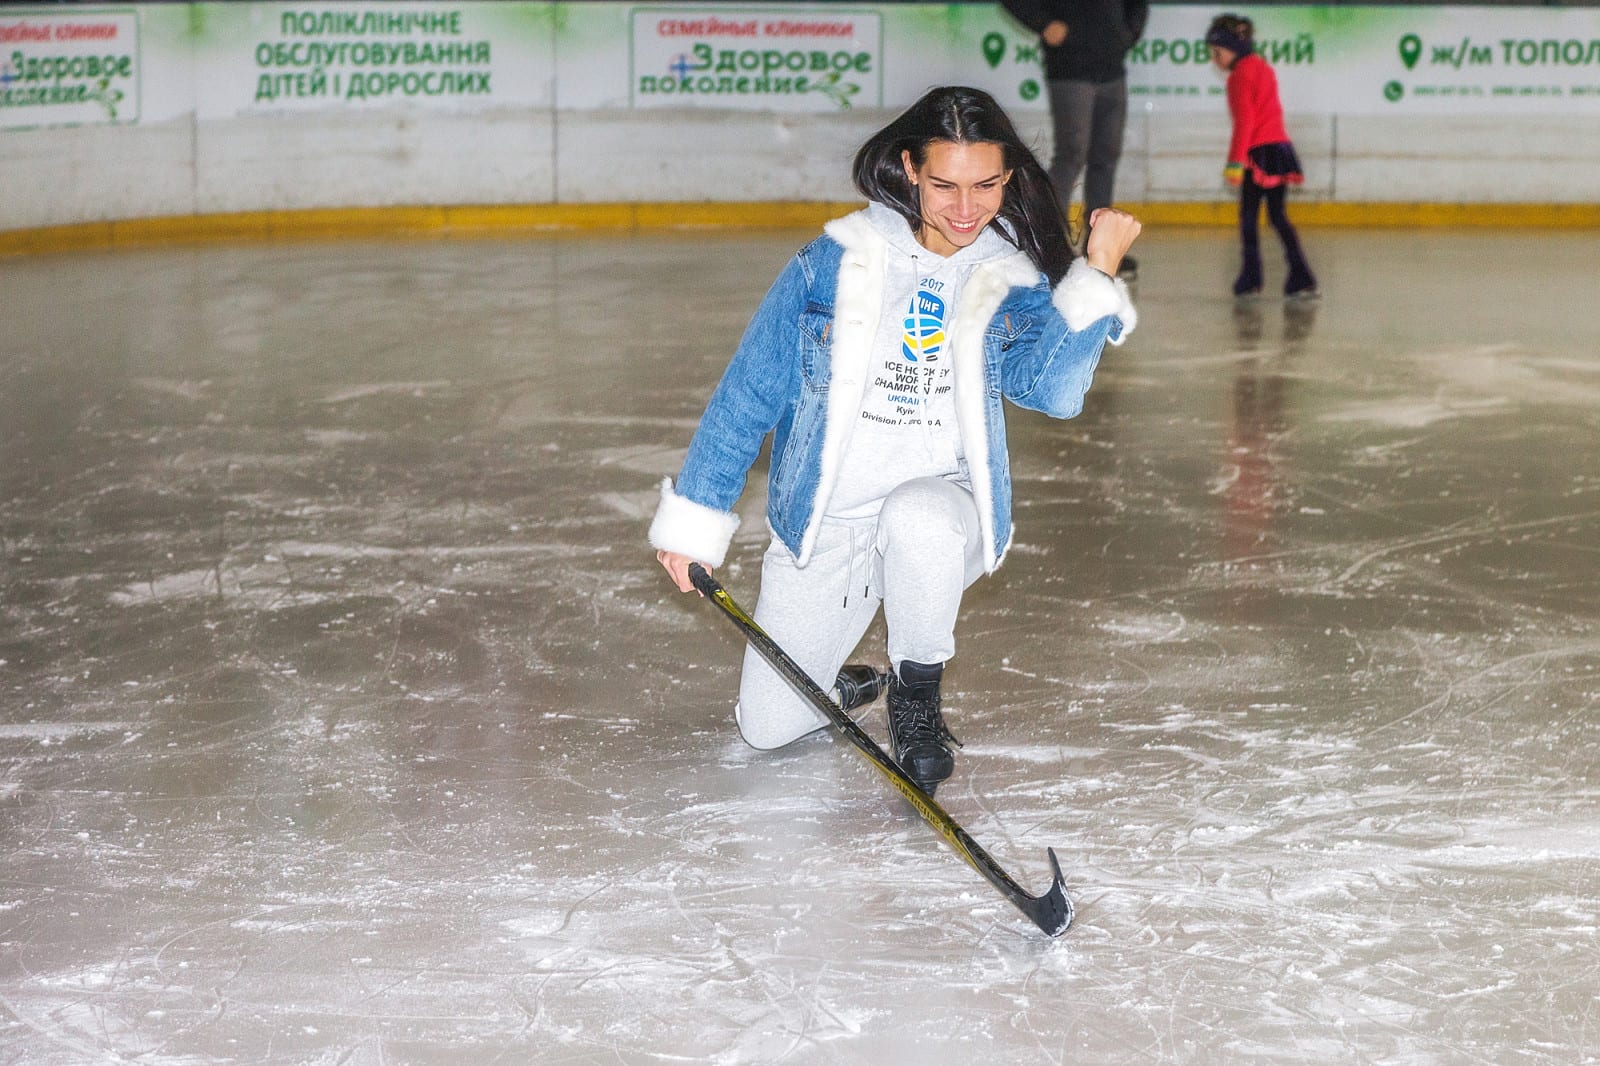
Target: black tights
x,y
1250,197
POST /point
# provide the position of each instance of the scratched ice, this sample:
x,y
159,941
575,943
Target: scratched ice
x,y
344,717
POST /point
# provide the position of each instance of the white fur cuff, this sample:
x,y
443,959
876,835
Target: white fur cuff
x,y
1086,295
690,528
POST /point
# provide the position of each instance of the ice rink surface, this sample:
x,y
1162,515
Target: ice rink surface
x,y
345,717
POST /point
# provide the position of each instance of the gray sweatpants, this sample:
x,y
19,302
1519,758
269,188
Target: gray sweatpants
x,y
916,559
1088,119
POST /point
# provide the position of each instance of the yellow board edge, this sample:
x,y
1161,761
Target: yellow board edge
x,y
490,220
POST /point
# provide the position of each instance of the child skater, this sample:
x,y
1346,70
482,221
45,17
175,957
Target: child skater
x,y
1261,160
877,362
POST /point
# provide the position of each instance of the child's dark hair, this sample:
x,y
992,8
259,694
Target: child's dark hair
x,y
1237,25
968,116
1233,32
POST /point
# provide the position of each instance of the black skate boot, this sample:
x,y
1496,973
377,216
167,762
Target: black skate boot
x,y
918,737
858,685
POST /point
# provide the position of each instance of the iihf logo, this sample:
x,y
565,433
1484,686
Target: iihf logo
x,y
924,338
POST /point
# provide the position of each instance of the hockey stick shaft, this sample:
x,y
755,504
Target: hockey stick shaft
x,y
1051,912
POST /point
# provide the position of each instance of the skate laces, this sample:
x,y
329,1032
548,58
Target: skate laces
x,y
918,721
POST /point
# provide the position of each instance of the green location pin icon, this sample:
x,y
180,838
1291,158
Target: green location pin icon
x,y
994,48
1410,50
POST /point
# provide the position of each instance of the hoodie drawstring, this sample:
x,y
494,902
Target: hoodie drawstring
x,y
862,543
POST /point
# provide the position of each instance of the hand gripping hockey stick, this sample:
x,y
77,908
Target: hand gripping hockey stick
x,y
1051,912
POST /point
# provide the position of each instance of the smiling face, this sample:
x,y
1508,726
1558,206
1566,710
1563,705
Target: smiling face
x,y
961,188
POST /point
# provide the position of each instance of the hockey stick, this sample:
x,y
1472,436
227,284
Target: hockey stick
x,y
1051,912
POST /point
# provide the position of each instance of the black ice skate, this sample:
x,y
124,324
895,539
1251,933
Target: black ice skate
x,y
858,685
918,738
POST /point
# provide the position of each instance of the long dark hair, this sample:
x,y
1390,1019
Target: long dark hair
x,y
961,115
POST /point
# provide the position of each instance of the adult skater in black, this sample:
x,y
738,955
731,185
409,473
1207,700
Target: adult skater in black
x,y
1086,44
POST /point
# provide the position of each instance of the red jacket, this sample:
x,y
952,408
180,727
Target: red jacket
x,y
1253,102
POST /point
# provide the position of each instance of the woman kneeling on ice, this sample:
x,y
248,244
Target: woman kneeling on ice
x,y
878,361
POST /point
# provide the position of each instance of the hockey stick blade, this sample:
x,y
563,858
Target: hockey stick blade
x,y
1051,912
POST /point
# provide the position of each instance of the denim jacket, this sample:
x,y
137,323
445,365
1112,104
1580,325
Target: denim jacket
x,y
801,370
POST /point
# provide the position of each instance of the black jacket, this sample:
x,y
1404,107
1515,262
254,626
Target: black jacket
x,y
1099,34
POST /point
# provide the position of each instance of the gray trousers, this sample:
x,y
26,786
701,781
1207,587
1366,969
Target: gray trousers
x,y
915,559
1088,119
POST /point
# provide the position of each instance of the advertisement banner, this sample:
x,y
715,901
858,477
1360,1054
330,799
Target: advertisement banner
x,y
79,67
962,44
267,58
794,59
1385,60
64,66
